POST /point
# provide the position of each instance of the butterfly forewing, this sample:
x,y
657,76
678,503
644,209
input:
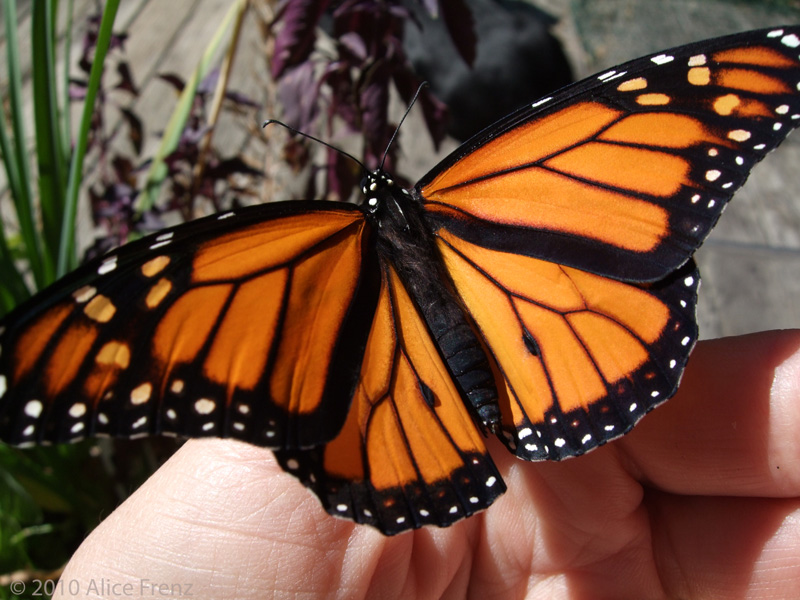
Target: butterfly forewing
x,y
253,332
624,174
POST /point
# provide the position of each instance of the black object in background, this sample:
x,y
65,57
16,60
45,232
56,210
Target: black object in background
x,y
518,60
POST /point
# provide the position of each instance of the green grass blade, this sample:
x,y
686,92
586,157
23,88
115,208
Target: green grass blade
x,y
22,193
48,136
12,289
177,122
66,125
66,253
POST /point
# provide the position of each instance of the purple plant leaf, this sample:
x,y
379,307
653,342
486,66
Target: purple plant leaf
x,y
298,93
296,155
342,104
232,166
174,80
354,43
77,89
434,110
342,174
135,129
399,11
457,17
296,38
375,104
209,82
126,82
242,100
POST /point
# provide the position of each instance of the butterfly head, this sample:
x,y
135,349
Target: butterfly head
x,y
375,186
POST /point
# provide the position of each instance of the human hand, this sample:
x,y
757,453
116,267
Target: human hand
x,y
702,499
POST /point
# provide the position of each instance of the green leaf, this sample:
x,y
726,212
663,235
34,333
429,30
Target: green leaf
x,y
48,136
66,252
18,168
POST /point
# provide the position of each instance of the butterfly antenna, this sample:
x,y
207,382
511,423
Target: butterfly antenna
x,y
316,139
424,84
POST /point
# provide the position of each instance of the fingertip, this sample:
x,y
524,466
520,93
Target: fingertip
x,y
735,415
784,417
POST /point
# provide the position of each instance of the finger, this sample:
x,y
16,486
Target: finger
x,y
732,427
726,547
210,523
221,520
572,528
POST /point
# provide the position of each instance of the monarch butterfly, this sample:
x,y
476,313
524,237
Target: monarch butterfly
x,y
537,284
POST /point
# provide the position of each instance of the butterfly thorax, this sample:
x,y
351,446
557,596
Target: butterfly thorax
x,y
405,241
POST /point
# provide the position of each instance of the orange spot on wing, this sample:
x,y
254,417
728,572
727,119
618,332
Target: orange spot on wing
x,y
67,358
639,83
731,104
635,169
158,292
241,345
725,105
758,55
112,358
187,324
154,266
100,309
32,342
114,353
699,76
526,144
751,81
266,245
652,99
660,130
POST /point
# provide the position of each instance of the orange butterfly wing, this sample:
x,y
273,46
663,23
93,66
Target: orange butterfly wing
x,y
580,358
216,328
566,229
409,453
626,173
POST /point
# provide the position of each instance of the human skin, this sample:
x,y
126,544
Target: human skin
x,y
701,500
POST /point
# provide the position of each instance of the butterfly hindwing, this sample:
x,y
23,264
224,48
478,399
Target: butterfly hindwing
x,y
246,325
580,358
624,174
410,453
